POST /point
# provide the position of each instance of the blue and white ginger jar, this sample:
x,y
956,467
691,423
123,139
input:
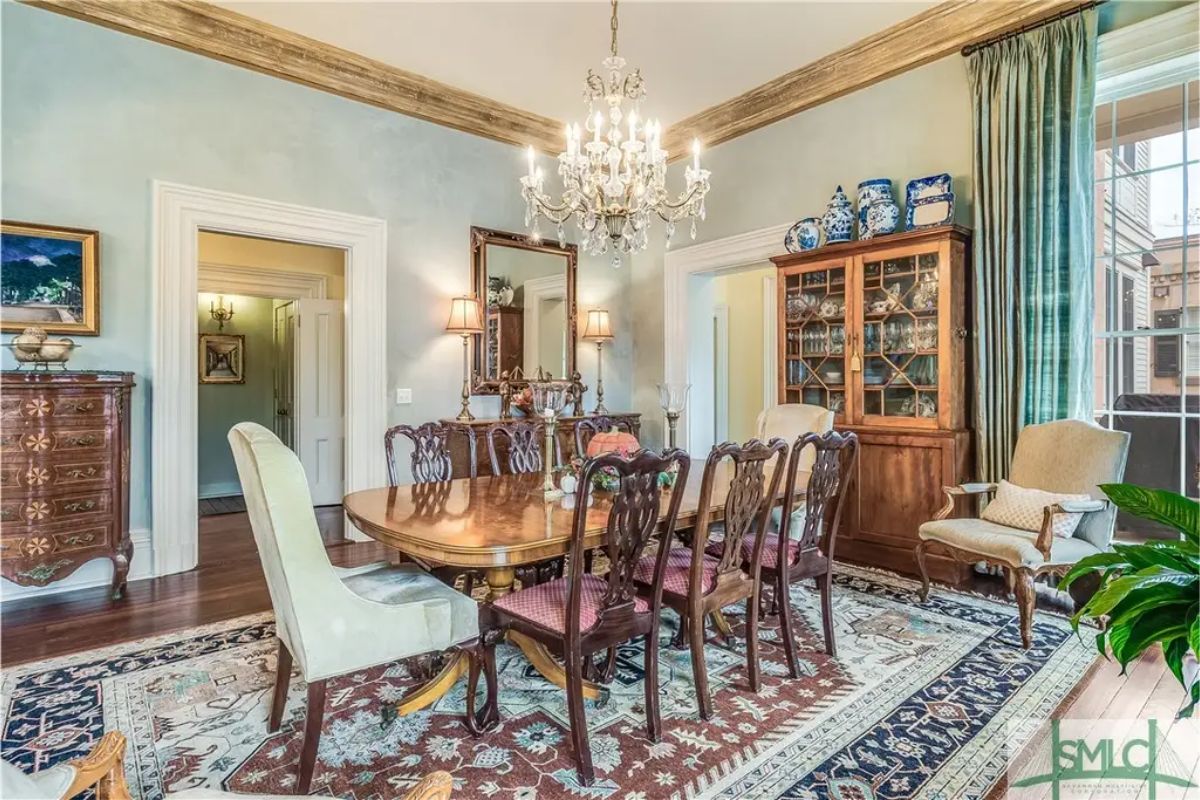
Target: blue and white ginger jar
x,y
838,219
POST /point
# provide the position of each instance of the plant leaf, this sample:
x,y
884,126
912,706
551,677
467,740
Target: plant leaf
x,y
1092,563
1157,625
1157,505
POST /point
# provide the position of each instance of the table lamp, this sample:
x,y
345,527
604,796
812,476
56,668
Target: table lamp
x,y
465,319
673,398
598,330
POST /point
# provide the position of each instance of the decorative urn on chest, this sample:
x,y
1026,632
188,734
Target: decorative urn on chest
x,y
838,219
878,214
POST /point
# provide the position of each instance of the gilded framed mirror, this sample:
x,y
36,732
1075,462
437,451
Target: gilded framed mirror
x,y
528,293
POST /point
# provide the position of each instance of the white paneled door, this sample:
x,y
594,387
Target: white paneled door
x,y
318,408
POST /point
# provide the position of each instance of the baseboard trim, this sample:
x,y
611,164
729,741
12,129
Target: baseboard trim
x,y
92,574
225,489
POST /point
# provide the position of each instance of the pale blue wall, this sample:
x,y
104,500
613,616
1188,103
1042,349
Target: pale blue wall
x,y
92,116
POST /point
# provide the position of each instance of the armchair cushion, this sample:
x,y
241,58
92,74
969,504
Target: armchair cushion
x,y
49,784
1020,507
1011,546
408,583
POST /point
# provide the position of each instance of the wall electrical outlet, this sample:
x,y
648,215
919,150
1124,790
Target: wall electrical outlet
x,y
403,397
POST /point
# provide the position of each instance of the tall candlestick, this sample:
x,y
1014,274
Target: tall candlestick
x,y
596,132
529,155
696,154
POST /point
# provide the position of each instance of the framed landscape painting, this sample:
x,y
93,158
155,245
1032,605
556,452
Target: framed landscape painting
x,y
49,278
222,358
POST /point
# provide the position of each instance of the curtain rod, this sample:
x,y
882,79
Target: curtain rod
x,y
971,48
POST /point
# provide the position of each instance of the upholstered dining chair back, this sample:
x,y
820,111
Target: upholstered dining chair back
x,y
1073,456
789,421
327,627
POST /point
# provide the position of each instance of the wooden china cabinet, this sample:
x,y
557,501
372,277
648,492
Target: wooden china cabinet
x,y
875,330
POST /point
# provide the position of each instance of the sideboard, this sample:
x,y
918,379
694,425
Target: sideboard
x,y
468,447
64,471
876,331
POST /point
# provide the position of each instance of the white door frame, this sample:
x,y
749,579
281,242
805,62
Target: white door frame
x,y
180,213
551,287
720,372
730,254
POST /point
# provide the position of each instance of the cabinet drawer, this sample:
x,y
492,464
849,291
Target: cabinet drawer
x,y
49,407
43,441
44,477
45,553
38,510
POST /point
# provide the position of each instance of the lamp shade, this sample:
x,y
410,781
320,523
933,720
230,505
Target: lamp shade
x,y
598,328
464,316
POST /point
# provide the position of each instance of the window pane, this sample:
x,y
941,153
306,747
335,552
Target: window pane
x,y
1134,366
1155,457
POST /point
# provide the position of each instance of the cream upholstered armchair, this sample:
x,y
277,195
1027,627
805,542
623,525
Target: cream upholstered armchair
x,y
103,769
333,621
1061,457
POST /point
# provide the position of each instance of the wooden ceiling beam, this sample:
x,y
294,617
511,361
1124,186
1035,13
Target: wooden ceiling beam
x,y
235,38
933,34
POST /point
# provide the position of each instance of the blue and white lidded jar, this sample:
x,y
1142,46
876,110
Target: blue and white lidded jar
x,y
838,220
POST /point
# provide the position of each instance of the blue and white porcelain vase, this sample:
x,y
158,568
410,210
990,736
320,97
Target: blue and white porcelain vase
x,y
839,218
878,213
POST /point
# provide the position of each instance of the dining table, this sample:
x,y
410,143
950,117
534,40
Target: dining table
x,y
493,524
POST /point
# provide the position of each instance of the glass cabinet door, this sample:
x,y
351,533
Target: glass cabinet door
x,y
814,306
900,345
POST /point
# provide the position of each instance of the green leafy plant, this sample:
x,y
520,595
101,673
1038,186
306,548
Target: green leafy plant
x,y
1149,593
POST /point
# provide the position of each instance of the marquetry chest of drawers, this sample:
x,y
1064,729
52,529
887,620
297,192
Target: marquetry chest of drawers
x,y
64,474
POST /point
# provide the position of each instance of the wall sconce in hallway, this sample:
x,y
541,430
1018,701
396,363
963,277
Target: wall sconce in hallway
x,y
219,312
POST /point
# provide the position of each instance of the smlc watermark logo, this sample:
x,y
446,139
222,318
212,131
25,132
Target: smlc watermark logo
x,y
1081,758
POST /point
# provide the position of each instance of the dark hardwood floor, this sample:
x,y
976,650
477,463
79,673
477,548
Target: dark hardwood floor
x,y
227,583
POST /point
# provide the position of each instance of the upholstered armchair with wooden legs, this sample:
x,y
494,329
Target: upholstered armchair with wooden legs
x,y
103,769
582,614
831,459
329,621
1061,457
703,578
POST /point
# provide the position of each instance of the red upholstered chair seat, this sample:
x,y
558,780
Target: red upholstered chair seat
x,y
675,576
546,603
770,551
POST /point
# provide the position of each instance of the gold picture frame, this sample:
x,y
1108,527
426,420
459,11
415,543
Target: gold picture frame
x,y
222,358
51,278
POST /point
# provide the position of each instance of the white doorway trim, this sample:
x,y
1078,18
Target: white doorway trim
x,y
770,315
180,213
261,282
730,254
720,372
551,287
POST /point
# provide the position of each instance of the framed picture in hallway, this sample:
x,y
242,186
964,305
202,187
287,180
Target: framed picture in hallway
x,y
222,358
51,278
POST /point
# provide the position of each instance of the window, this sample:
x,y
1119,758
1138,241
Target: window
x,y
1147,267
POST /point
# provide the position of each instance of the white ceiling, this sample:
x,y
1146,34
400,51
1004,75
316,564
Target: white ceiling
x,y
534,55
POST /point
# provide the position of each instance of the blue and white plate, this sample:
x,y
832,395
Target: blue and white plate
x,y
804,235
930,212
919,189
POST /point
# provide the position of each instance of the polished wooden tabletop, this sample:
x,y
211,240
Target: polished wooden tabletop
x,y
499,521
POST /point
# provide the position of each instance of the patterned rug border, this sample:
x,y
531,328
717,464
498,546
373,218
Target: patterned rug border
x,y
1063,673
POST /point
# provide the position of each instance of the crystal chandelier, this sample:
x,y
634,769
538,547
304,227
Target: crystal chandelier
x,y
614,182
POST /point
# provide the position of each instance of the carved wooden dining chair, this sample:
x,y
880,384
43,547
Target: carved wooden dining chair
x,y
431,465
703,578
831,459
588,427
583,614
335,621
524,447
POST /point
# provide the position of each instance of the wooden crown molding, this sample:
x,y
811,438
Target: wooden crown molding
x,y
226,35
235,38
933,34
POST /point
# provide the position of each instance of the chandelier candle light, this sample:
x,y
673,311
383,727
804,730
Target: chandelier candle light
x,y
599,330
614,182
465,319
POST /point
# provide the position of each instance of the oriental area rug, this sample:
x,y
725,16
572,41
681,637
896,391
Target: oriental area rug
x,y
915,705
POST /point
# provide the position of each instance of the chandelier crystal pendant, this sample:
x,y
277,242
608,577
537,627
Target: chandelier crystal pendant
x,y
614,181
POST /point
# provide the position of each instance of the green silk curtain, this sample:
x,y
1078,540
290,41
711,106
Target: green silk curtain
x,y
1034,151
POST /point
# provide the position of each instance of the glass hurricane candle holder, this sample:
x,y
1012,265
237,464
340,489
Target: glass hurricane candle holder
x,y
673,398
549,400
